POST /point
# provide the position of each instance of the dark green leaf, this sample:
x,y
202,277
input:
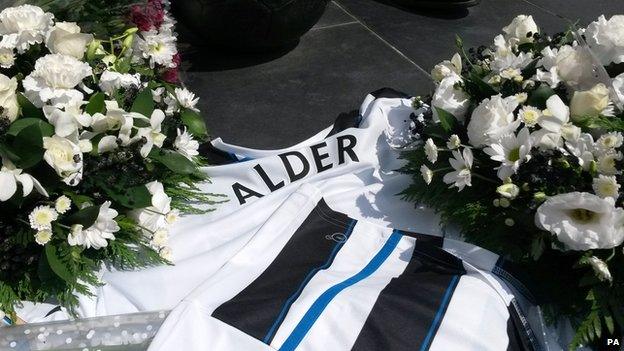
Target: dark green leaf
x,y
28,146
86,216
173,160
539,96
609,323
484,88
46,128
56,264
143,104
96,104
28,109
135,197
194,122
447,120
530,69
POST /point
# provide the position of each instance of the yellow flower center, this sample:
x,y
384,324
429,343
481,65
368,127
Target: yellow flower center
x,y
584,216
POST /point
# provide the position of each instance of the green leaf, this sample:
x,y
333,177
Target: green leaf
x,y
484,88
174,161
56,264
609,323
96,104
122,65
143,104
194,122
597,327
539,96
86,217
134,197
46,128
447,120
28,109
28,146
530,69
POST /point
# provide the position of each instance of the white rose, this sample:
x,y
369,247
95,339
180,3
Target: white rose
x,y
574,66
8,98
65,38
521,29
606,39
453,100
582,221
590,102
23,26
65,157
54,78
110,81
491,119
447,68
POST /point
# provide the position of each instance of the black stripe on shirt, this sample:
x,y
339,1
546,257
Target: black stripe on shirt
x,y
259,309
409,310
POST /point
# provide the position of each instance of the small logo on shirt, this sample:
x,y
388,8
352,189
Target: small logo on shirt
x,y
337,237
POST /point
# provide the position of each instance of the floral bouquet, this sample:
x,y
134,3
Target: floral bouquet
x,y
98,148
520,147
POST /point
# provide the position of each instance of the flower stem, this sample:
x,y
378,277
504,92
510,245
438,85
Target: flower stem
x,y
476,175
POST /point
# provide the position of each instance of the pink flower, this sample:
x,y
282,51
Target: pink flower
x,y
148,16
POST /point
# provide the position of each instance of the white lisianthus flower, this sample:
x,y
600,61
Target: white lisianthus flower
x,y
41,217
10,176
7,57
160,238
23,26
606,186
590,103
511,151
582,221
607,142
521,29
166,253
159,47
67,118
462,165
8,98
431,150
186,145
186,99
508,191
447,68
583,148
426,173
530,115
62,204
601,268
65,38
493,118
454,142
154,217
606,39
152,134
96,235
65,157
607,163
110,81
54,79
43,237
450,99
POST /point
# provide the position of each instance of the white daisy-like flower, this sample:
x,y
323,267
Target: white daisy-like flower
x,y
511,151
522,97
7,58
166,253
601,269
62,204
160,238
609,141
159,47
186,145
462,175
426,173
186,99
23,26
41,217
454,142
607,163
431,150
530,115
43,236
172,216
606,186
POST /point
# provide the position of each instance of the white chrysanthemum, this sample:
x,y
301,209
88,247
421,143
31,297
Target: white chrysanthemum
x,y
450,98
530,115
23,26
7,58
606,186
462,175
159,47
454,142
172,216
42,217
96,235
607,163
606,39
601,269
160,238
110,81
54,79
582,221
426,173
62,204
43,236
493,118
166,253
431,150
511,151
609,141
186,99
10,176
186,145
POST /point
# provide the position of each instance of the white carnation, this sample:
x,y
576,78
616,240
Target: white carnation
x,y
491,119
110,81
606,39
23,26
